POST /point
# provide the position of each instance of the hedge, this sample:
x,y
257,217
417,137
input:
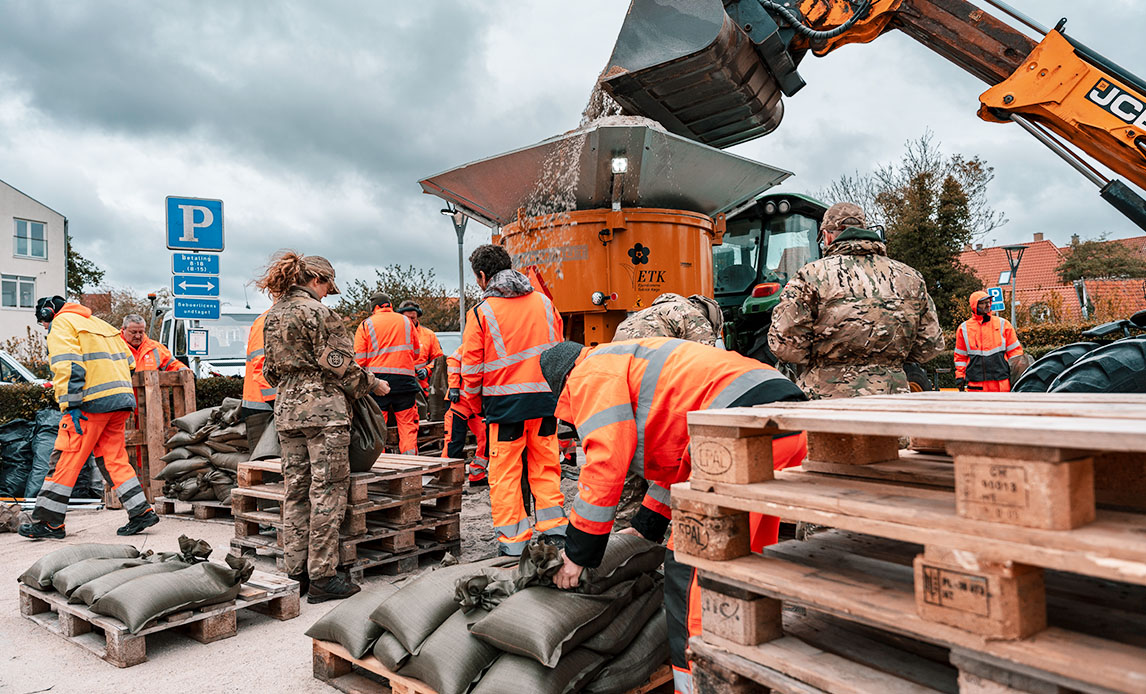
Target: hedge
x,y
23,401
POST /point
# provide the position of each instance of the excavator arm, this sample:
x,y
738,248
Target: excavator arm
x,y
716,71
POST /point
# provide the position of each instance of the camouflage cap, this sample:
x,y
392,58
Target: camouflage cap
x,y
841,216
320,267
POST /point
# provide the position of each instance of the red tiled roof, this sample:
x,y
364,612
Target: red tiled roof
x,y
1036,270
1129,296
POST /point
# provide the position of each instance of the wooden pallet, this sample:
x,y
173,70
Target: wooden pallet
x,y
431,438
214,511
334,665
1095,640
109,638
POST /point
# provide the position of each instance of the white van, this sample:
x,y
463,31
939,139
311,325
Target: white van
x,y
226,342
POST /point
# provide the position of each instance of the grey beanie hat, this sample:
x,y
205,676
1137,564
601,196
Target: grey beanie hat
x,y
557,362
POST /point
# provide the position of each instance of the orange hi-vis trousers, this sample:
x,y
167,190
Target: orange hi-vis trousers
x,y
407,430
102,437
457,422
536,440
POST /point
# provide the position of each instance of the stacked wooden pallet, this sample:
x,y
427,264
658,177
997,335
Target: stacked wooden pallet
x,y
208,510
1018,543
431,437
404,510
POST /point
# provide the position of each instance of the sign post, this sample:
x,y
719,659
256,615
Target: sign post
x,y
997,303
196,225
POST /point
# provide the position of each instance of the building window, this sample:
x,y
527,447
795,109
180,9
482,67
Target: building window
x,y
17,292
30,239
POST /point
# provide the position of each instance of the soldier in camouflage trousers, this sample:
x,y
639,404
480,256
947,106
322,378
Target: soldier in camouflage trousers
x,y
850,320
310,359
696,318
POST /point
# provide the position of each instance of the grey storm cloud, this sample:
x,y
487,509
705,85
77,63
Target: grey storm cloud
x,y
314,121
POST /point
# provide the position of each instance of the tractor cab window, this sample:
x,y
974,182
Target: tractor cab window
x,y
734,261
791,243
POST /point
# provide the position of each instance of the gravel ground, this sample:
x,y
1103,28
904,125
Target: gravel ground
x,y
265,656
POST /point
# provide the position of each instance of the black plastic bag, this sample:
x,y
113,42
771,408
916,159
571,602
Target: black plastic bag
x,y
367,434
15,456
44,442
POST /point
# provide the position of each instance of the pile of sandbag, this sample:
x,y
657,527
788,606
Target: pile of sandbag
x,y
204,455
118,581
500,625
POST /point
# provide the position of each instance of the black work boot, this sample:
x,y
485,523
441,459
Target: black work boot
x,y
139,523
40,530
334,588
303,582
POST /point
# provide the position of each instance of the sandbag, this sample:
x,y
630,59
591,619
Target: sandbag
x,y
221,484
367,434
39,575
181,468
95,589
180,438
542,623
349,623
176,454
15,456
9,517
514,673
485,589
268,445
69,578
192,488
619,633
229,411
143,599
43,443
255,423
192,422
626,557
237,431
636,664
220,446
201,450
228,461
390,652
419,607
451,658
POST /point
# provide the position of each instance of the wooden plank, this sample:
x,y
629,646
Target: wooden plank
x,y
1007,407
911,468
880,595
1110,547
1089,433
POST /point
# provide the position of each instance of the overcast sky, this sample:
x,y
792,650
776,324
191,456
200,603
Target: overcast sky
x,y
313,121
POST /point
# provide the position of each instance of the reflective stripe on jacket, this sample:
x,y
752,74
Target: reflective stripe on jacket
x,y
429,351
629,401
91,364
257,393
982,349
386,344
153,356
501,365
454,369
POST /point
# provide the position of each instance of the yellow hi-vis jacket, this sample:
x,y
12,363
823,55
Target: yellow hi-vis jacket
x,y
91,364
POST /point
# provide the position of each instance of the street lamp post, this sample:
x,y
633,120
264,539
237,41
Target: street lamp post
x,y
1014,257
460,220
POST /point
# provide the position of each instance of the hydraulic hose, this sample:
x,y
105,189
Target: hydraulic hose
x,y
861,10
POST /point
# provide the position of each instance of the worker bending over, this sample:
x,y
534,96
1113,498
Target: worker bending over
x,y
984,346
697,318
91,374
149,355
501,378
386,344
458,418
629,401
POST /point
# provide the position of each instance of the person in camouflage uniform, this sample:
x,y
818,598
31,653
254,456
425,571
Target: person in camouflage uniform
x,y
696,318
850,320
310,359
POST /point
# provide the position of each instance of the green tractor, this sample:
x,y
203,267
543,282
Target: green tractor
x,y
764,245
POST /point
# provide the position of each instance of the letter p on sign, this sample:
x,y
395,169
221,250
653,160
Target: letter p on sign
x,y
194,224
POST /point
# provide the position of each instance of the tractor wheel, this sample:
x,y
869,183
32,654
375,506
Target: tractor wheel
x,y
917,378
1043,372
1119,367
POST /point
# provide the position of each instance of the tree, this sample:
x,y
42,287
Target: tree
x,y
439,305
921,156
82,273
1100,259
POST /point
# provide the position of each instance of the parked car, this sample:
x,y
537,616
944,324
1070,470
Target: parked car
x,y
13,372
226,342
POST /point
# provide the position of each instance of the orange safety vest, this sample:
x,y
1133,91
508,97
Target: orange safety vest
x,y
386,344
501,364
454,369
983,349
629,401
430,350
257,393
153,356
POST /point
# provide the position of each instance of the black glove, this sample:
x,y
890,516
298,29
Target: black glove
x,y
422,374
454,395
76,416
961,384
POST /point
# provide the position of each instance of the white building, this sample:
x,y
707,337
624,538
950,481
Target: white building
x,y
33,259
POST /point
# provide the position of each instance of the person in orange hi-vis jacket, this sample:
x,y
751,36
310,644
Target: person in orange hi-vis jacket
x,y
258,395
386,345
983,347
458,418
629,401
149,354
501,378
429,349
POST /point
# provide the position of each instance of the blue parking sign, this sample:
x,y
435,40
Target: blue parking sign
x,y
997,303
194,224
194,264
197,309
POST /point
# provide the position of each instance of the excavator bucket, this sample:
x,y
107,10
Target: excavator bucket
x,y
687,65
